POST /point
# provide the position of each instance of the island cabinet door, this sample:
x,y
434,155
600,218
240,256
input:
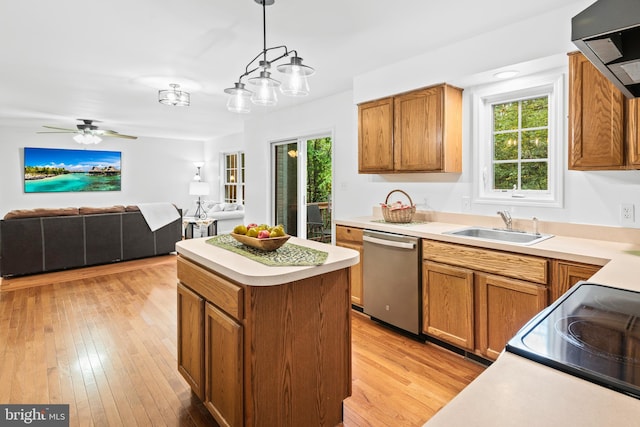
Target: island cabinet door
x,y
223,367
191,339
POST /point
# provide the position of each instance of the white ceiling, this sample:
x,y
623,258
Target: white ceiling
x,y
68,59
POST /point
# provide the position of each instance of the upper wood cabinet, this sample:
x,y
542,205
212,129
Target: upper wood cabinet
x,y
596,118
417,131
633,133
375,136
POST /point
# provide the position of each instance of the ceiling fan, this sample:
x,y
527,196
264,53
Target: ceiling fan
x,y
87,132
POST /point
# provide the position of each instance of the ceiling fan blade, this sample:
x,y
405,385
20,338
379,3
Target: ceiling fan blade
x,y
49,131
117,135
57,128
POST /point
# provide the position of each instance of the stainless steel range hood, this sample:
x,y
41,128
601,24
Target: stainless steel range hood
x,y
608,33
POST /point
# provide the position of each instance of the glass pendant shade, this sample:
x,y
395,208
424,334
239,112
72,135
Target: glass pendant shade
x,y
239,99
265,93
295,85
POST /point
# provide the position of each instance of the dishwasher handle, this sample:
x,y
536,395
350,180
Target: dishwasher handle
x,y
393,243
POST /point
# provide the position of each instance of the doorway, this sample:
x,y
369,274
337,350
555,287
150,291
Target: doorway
x,y
303,177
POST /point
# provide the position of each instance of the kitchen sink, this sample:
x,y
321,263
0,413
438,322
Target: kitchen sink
x,y
501,235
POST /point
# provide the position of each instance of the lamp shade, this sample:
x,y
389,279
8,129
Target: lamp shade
x,y
198,188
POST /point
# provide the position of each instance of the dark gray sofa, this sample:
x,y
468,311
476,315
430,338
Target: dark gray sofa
x,y
37,244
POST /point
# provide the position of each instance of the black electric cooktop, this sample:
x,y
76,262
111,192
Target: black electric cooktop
x,y
592,332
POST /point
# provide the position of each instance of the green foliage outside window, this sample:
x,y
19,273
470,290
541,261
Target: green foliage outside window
x,y
318,170
520,144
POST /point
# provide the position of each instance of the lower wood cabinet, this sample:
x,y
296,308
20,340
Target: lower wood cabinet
x,y
351,237
447,303
503,306
191,338
470,301
223,370
565,274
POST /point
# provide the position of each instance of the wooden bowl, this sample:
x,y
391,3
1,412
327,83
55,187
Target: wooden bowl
x,y
267,245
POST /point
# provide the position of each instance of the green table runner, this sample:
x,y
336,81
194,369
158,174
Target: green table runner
x,y
288,254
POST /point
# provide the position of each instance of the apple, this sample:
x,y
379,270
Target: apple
x,y
263,234
252,225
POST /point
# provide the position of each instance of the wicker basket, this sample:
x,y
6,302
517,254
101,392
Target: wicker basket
x,y
398,215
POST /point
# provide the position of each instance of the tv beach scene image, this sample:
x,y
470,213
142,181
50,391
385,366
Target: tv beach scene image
x,y
59,170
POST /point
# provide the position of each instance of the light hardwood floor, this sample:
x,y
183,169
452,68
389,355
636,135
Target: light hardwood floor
x,y
103,340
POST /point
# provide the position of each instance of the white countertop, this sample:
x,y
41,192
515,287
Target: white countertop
x,y
252,273
514,391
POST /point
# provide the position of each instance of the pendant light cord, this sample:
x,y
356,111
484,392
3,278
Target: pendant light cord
x,y
264,30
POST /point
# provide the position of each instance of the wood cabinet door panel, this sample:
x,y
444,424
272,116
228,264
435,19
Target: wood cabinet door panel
x,y
566,274
191,339
224,367
221,292
503,307
633,132
418,130
596,118
447,303
355,274
375,136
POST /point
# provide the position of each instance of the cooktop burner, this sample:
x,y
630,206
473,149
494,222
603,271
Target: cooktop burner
x,y
593,332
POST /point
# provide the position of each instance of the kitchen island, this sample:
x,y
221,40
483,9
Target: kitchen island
x,y
265,345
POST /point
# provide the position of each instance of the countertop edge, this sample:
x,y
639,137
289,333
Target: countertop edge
x,y
251,273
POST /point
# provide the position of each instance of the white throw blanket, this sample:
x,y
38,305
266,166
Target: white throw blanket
x,y
158,215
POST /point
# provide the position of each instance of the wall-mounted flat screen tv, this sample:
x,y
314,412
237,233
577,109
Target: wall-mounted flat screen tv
x,y
49,170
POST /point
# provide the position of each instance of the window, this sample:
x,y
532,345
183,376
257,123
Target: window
x,y
233,177
518,140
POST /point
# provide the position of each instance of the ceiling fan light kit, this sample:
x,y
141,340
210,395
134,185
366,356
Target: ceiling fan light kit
x,y
294,75
174,96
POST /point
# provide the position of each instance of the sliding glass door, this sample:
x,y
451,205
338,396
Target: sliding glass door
x,y
302,182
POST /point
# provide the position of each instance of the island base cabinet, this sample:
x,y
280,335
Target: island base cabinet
x,y
302,333
268,355
223,370
503,306
190,339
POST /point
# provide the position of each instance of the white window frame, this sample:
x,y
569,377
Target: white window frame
x,y
223,176
550,84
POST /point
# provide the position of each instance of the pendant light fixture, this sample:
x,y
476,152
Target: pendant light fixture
x,y
264,86
174,96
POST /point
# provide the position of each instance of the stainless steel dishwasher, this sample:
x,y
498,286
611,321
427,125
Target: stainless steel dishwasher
x,y
391,279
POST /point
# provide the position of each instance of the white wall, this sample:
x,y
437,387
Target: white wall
x,y
153,170
589,197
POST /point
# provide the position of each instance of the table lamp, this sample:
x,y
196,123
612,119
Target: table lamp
x,y
199,189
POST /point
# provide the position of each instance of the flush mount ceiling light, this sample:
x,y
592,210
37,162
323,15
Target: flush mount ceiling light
x,y
174,96
294,75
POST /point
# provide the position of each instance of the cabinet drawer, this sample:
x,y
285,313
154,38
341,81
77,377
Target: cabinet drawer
x,y
518,266
349,234
213,288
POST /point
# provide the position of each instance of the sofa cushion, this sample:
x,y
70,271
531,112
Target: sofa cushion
x,y
40,212
85,210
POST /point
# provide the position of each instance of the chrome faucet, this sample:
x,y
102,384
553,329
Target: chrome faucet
x,y
506,217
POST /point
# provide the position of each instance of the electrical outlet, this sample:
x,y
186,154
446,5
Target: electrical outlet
x,y
466,203
627,214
